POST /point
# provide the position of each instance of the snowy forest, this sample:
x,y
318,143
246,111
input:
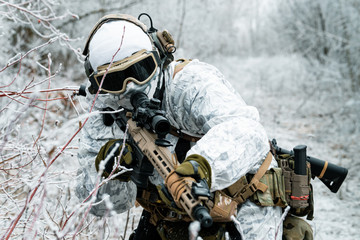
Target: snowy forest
x,y
296,61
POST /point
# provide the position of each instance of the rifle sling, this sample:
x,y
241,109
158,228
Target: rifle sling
x,y
242,190
178,133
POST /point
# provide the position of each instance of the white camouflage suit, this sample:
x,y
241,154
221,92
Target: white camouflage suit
x,y
198,100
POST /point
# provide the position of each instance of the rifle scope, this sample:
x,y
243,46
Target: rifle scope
x,y
148,113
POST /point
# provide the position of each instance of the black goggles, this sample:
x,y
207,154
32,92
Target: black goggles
x,y
139,68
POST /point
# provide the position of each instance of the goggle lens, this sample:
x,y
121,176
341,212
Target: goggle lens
x,y
116,79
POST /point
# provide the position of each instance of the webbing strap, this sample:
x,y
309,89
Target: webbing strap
x,y
246,191
177,133
181,65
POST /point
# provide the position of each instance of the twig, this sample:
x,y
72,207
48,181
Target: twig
x,y
94,192
10,93
101,10
126,224
46,102
40,206
10,127
283,216
25,55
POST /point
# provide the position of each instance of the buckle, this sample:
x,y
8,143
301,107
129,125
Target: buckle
x,y
172,214
247,191
253,187
180,133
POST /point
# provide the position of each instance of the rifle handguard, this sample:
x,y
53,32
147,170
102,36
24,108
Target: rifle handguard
x,y
177,185
160,158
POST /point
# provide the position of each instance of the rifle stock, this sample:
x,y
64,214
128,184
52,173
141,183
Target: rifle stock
x,y
330,174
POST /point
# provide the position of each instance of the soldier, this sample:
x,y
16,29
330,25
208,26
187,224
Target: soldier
x,y
218,136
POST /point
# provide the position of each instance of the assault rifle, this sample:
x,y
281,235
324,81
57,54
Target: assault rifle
x,y
147,127
330,174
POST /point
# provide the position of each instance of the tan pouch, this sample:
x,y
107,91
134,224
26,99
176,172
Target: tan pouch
x,y
224,207
275,193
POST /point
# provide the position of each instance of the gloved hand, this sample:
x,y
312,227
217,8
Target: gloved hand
x,y
125,159
197,167
195,172
297,228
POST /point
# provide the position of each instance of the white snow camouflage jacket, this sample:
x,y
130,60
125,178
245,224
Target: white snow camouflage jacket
x,y
198,100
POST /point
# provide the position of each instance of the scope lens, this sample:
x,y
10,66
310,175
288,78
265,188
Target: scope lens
x,y
139,99
161,125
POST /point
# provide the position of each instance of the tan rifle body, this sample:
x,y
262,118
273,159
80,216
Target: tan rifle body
x,y
161,159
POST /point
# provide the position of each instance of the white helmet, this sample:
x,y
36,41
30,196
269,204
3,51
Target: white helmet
x,y
120,52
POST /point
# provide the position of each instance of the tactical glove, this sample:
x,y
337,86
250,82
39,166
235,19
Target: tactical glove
x,y
296,228
197,167
125,159
195,172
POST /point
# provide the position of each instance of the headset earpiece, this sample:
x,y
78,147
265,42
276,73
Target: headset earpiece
x,y
165,44
163,41
166,41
